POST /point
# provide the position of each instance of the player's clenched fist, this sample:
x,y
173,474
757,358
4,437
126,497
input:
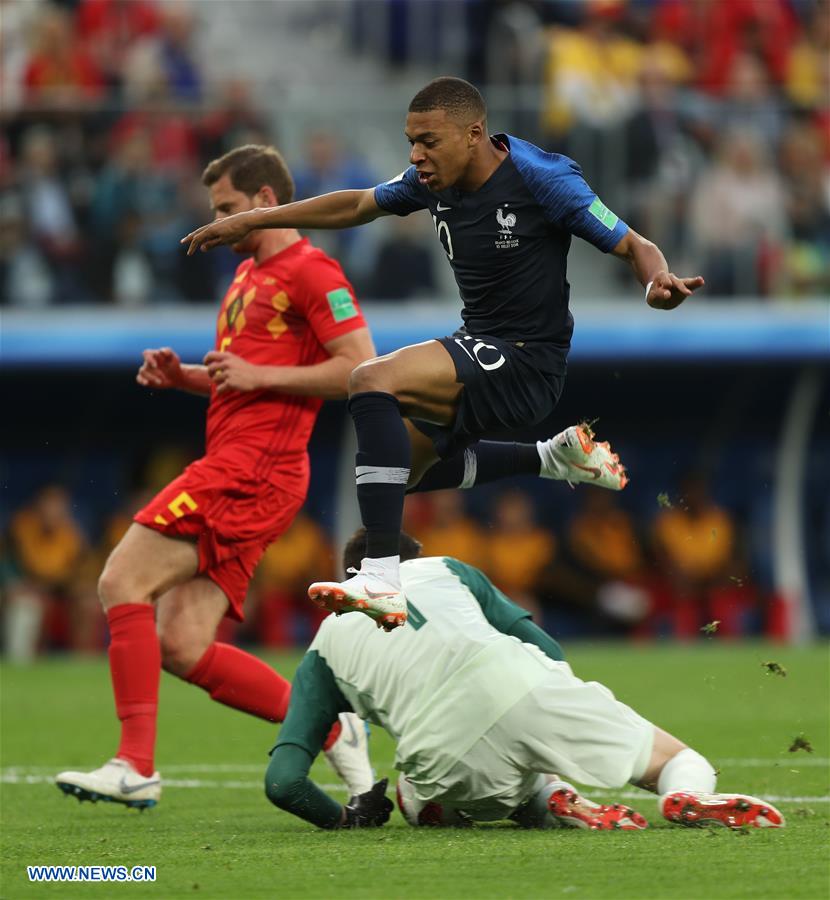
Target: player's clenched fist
x,y
668,291
161,369
230,372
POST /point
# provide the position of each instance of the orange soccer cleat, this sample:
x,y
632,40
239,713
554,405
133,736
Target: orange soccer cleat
x,y
574,456
696,809
574,811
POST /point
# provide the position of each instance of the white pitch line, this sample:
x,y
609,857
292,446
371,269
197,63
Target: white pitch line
x,y
10,777
802,761
771,798
206,768
7,777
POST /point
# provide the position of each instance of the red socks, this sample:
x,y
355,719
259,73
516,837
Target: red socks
x,y
135,669
228,674
334,734
238,679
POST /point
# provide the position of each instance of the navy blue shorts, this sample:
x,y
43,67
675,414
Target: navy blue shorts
x,y
508,385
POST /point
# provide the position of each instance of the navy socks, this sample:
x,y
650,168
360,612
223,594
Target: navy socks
x,y
480,463
384,458
381,469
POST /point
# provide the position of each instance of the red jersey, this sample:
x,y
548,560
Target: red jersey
x,y
278,313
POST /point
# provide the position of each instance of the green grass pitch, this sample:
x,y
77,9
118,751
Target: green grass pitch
x,y
215,835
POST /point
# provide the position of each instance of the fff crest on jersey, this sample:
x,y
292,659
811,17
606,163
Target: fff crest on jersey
x,y
506,222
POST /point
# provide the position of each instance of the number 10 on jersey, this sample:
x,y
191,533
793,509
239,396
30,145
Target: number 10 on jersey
x,y
444,236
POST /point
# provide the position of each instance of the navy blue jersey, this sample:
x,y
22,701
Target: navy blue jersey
x,y
508,241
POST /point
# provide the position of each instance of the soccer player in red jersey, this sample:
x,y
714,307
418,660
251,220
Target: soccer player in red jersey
x,y
288,334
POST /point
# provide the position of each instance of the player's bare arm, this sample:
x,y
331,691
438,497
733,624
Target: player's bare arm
x,y
328,379
666,290
162,369
339,209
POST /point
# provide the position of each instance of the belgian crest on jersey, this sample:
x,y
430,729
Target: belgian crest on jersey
x,y
233,311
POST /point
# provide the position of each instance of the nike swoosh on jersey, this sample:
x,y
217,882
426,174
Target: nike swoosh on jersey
x,y
131,789
442,208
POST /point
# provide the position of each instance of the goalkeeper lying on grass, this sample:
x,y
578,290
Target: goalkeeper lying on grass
x,y
482,707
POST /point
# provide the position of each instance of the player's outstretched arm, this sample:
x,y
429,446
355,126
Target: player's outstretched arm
x,y
162,369
665,289
316,702
288,786
340,209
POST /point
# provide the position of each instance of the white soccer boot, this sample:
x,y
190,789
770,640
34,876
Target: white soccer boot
x,y
349,755
366,591
116,781
574,456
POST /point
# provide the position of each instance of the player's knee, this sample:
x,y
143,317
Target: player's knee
x,y
371,375
113,587
179,652
124,579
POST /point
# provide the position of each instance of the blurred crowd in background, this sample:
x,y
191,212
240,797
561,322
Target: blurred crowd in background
x,y
680,572
704,123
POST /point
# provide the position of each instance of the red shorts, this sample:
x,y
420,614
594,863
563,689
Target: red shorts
x,y
232,516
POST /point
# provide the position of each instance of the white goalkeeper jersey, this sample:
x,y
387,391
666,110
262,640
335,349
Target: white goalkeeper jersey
x,y
439,683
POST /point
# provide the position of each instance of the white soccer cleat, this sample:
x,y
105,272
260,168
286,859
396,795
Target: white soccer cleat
x,y
698,809
349,755
365,592
574,456
116,782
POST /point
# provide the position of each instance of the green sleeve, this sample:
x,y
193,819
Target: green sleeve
x,y
528,632
288,786
316,702
501,612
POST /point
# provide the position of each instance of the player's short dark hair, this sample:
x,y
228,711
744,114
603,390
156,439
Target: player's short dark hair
x,y
459,98
355,549
251,168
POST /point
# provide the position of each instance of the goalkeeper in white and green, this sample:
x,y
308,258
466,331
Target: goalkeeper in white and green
x,y
490,723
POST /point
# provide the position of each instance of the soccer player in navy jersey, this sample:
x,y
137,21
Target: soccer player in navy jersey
x,y
504,211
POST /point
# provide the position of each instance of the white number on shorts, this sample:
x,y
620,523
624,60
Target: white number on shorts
x,y
478,346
